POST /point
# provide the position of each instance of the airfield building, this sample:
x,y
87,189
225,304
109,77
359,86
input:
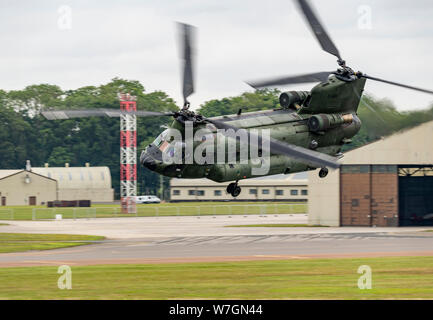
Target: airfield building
x,y
38,185
385,183
281,187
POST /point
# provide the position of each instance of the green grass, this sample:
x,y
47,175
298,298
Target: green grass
x,y
273,225
18,242
150,210
392,278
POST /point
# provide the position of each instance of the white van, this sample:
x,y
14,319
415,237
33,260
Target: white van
x,y
147,199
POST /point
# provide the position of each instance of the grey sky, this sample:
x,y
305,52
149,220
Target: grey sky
x,y
237,41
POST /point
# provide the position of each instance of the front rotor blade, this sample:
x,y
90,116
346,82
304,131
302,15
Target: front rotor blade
x,y
112,113
318,29
303,78
313,158
397,84
187,36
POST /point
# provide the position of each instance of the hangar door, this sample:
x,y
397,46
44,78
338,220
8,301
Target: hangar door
x,y
369,195
415,195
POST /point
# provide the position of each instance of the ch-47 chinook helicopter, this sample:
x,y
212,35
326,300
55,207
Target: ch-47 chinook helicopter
x,y
306,133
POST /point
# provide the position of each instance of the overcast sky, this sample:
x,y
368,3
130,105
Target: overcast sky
x,y
237,41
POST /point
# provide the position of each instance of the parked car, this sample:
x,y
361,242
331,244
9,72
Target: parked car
x,y
147,199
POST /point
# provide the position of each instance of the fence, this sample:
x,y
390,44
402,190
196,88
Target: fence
x,y
153,211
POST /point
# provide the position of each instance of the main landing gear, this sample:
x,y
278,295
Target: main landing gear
x,y
234,189
323,172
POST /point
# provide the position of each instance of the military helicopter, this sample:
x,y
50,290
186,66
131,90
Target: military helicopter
x,y
307,132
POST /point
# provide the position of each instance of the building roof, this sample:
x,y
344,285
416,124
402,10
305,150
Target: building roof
x,y
77,177
71,177
274,180
410,146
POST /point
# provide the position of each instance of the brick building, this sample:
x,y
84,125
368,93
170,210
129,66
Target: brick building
x,y
385,183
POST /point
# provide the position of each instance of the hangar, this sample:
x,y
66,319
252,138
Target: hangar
x,y
385,183
38,185
22,187
292,187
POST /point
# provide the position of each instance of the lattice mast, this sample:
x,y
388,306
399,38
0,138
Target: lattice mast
x,y
128,153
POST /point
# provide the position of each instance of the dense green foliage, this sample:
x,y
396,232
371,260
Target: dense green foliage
x,y
25,134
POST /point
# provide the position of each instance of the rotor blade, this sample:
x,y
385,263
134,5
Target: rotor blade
x,y
397,84
318,29
316,159
187,35
86,113
303,78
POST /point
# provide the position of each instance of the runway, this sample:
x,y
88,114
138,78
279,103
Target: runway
x,y
192,239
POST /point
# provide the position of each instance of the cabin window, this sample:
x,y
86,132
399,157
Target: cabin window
x,y
191,192
200,192
253,191
265,191
279,192
176,192
293,192
304,192
217,193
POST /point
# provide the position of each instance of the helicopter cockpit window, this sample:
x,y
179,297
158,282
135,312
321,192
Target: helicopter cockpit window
x,y
167,144
161,138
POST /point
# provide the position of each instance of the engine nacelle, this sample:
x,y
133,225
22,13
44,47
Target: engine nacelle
x,y
323,122
290,98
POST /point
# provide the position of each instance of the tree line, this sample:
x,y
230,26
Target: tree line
x,y
26,135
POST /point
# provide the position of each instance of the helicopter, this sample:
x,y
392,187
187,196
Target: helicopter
x,y
306,132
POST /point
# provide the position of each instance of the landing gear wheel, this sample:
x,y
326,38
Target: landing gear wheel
x,y
231,187
234,189
323,172
237,191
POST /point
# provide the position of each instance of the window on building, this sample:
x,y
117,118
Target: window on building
x,y
200,192
217,193
279,192
265,191
176,192
191,192
293,192
304,192
253,191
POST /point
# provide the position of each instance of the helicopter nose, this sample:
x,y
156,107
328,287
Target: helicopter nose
x,y
147,161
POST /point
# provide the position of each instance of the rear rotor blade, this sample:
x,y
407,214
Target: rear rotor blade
x,y
397,84
318,29
303,78
112,113
187,37
315,159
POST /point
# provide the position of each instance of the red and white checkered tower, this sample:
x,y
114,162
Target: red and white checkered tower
x,y
128,153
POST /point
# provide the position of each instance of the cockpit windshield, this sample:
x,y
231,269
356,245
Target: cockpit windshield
x,y
161,138
166,143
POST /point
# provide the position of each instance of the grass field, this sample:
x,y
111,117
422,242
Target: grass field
x,y
392,278
150,210
18,242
